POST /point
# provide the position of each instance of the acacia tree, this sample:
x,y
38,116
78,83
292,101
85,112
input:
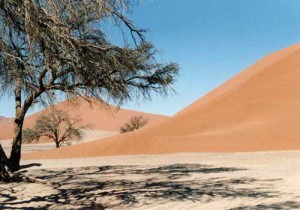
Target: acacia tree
x,y
135,123
47,46
56,125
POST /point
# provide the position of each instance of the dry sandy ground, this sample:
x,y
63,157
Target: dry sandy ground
x,y
88,135
261,180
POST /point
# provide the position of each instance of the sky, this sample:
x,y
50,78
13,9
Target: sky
x,y
211,40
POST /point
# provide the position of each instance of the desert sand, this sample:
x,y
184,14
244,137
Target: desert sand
x,y
257,110
97,117
236,181
5,120
237,128
88,135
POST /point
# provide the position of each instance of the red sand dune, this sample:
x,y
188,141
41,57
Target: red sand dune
x,y
5,120
257,110
5,127
98,117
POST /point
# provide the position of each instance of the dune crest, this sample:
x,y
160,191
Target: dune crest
x,y
257,110
5,120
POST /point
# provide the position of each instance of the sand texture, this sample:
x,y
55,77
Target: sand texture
x,y
235,181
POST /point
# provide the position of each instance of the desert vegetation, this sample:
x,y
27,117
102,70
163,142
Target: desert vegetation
x,y
55,125
47,47
135,123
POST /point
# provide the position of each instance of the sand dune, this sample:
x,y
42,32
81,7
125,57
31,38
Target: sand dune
x,y
97,116
257,110
6,128
5,120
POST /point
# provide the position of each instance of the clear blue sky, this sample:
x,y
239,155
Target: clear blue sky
x,y
212,40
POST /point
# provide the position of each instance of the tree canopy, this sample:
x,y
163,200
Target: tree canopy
x,y
55,125
60,45
50,46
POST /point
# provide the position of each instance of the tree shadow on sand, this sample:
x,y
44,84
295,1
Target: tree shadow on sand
x,y
30,165
277,206
126,186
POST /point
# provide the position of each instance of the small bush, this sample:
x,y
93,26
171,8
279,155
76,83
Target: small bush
x,y
135,123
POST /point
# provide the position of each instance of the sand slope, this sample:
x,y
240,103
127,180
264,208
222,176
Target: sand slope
x,y
4,120
259,109
5,127
98,117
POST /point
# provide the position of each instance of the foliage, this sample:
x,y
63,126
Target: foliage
x,y
56,125
135,123
60,45
51,46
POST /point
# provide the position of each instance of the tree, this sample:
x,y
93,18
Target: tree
x,y
135,123
56,125
55,46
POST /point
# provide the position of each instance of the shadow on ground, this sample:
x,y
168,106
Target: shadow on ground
x,y
126,186
30,165
278,206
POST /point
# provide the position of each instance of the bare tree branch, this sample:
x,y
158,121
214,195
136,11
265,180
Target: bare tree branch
x,y
50,46
56,125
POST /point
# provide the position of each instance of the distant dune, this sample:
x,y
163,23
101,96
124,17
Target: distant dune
x,y
97,116
5,120
5,127
257,110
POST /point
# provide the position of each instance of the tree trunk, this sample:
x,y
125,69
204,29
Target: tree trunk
x,y
57,144
15,156
5,174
